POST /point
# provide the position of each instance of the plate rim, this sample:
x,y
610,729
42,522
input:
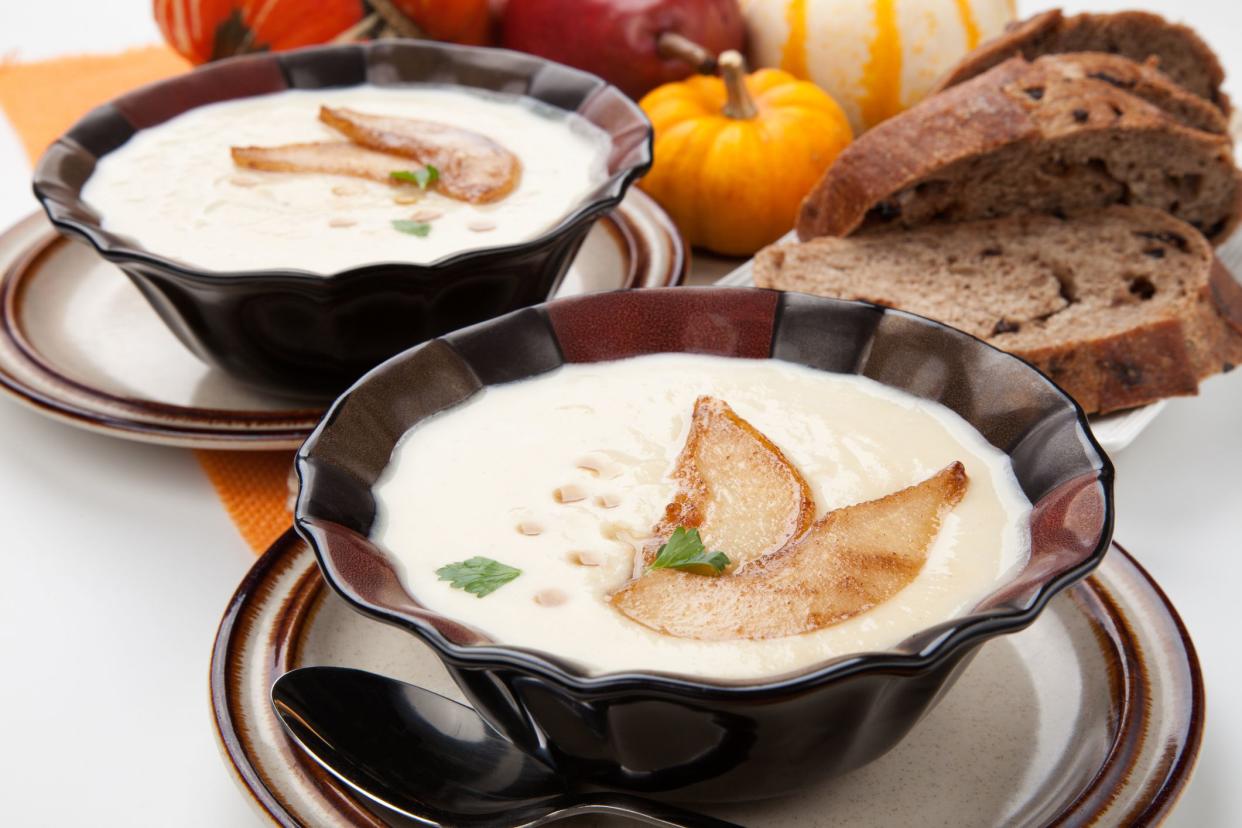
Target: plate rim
x,y
1086,808
241,429
14,283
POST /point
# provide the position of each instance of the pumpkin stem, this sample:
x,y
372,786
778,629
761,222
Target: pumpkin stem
x,y
672,46
397,19
733,70
361,30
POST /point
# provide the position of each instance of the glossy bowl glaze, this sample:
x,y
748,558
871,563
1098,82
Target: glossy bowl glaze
x,y
307,334
688,738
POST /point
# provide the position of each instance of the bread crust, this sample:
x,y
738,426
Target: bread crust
x,y
1149,363
1017,107
1145,81
1197,334
1120,33
971,119
1220,312
1110,373
1226,295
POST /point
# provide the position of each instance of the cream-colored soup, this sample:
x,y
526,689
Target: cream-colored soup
x,y
481,477
175,189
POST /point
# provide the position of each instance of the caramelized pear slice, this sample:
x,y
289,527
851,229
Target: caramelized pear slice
x,y
850,561
735,487
472,167
332,157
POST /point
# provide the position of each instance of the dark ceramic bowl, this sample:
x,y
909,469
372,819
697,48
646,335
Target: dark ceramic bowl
x,y
308,334
688,738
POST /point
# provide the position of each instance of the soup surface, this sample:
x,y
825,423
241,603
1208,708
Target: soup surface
x,y
564,475
176,190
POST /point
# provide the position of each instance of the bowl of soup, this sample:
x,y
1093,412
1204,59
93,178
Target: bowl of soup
x,y
296,218
709,544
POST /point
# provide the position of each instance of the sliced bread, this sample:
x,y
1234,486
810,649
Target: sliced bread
x,y
1177,50
1144,81
1120,307
1025,137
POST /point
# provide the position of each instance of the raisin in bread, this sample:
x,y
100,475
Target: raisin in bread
x,y
1120,308
1026,137
1176,50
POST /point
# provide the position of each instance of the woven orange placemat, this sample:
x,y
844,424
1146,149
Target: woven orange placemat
x,y
41,100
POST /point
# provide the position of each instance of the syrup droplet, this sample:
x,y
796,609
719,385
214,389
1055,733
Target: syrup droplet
x,y
551,597
529,527
569,494
609,500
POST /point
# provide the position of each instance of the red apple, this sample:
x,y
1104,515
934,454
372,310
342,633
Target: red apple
x,y
616,39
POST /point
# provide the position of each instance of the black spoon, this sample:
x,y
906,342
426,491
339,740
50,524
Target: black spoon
x,y
434,761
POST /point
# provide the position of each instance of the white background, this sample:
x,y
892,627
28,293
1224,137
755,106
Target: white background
x,y
116,560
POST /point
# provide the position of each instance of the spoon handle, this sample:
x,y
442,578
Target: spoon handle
x,y
641,810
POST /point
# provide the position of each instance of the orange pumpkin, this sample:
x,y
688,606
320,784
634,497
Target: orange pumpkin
x,y
204,30
461,21
735,155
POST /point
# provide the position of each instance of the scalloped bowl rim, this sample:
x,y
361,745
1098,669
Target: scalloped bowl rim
x,y
118,248
950,635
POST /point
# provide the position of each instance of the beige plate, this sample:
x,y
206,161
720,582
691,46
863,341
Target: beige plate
x,y
79,343
1091,716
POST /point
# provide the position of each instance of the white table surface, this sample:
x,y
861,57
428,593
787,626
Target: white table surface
x,y
117,561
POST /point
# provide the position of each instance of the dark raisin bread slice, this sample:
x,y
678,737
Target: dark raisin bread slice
x,y
1025,137
1118,307
1143,81
1177,50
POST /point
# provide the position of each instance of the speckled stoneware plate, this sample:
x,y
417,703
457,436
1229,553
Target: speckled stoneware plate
x,y
1091,716
79,343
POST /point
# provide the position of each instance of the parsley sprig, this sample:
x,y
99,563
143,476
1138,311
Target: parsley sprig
x,y
414,228
478,576
685,550
424,177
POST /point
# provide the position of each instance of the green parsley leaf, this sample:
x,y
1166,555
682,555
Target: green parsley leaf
x,y
685,550
414,228
478,576
423,177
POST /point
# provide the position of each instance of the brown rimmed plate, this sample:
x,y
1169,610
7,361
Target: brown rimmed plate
x,y
79,343
1091,716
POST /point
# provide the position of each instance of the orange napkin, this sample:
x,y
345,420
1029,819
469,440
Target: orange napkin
x,y
41,100
254,488
44,98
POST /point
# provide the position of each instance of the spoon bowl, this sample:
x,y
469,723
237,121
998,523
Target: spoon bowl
x,y
434,761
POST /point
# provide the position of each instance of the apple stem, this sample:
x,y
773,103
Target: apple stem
x,y
672,46
733,71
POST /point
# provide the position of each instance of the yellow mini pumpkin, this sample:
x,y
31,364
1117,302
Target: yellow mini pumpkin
x,y
876,57
734,155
